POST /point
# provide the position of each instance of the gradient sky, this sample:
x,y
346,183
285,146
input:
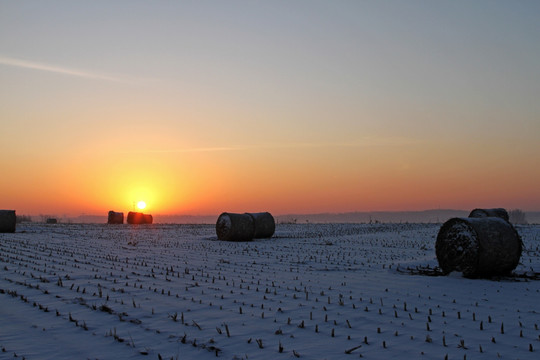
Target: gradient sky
x,y
199,107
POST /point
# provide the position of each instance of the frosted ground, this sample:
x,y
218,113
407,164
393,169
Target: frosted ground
x,y
312,292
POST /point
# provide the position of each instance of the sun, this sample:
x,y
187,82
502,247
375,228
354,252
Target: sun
x,y
141,205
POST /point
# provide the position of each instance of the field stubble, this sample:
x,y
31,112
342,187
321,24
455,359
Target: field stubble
x,y
314,291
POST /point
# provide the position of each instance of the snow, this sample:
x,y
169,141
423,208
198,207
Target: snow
x,y
315,291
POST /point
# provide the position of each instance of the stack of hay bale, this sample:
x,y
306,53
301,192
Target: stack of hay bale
x,y
482,213
245,227
8,221
484,244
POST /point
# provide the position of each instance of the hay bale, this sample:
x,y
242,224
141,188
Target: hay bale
x,y
478,247
235,227
148,219
138,218
264,225
8,219
135,218
497,212
115,217
51,221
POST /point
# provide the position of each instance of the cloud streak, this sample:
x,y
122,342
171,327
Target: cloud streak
x,y
365,142
25,64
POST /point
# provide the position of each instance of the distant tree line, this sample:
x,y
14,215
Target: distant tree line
x,y
517,216
23,218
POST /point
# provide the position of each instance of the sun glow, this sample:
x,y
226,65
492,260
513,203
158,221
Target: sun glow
x,y
141,205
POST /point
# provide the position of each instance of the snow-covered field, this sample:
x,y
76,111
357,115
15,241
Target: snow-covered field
x,y
313,291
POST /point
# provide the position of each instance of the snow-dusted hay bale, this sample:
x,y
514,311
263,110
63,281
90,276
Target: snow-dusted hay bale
x,y
498,212
264,225
235,227
138,218
115,217
478,247
8,219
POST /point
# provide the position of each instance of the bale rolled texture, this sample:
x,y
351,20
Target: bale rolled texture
x,y
138,218
8,220
498,212
478,247
264,225
115,217
235,227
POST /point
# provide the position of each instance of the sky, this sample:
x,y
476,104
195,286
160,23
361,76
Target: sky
x,y
200,107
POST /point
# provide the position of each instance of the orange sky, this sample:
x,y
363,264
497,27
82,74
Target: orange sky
x,y
270,107
296,179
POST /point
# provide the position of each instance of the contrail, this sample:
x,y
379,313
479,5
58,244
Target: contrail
x,y
56,69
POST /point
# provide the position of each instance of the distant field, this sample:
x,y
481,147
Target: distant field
x,y
327,291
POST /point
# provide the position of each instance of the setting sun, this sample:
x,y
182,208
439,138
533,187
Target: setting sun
x,y
141,205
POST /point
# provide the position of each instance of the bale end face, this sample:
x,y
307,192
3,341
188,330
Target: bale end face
x,y
223,226
457,248
235,227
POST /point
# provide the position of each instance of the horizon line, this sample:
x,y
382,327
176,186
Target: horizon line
x,y
279,214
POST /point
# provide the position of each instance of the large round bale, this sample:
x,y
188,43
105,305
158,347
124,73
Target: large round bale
x,y
235,227
264,225
478,247
148,219
138,218
497,212
8,219
115,217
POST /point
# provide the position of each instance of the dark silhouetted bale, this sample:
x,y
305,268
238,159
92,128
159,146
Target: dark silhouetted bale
x,y
135,218
8,219
498,212
52,221
478,247
235,227
264,225
138,218
115,217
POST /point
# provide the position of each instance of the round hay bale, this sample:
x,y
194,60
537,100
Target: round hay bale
x,y
8,221
148,219
235,227
498,212
264,224
138,218
115,217
478,247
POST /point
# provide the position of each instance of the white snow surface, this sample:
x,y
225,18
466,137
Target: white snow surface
x,y
313,291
